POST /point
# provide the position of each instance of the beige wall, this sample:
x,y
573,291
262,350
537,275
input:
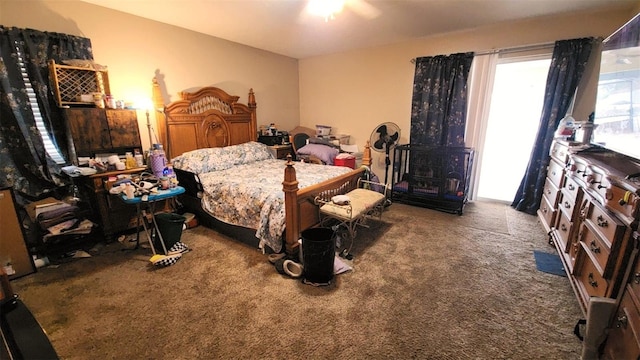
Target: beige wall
x,y
353,92
135,49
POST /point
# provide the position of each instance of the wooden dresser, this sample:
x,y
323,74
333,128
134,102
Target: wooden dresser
x,y
591,209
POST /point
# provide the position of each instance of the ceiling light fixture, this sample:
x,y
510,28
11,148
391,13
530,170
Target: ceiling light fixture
x,y
325,8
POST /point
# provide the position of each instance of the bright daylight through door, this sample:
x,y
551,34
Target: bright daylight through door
x,y
514,115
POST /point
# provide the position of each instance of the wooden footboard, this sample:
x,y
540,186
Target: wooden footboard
x,y
300,206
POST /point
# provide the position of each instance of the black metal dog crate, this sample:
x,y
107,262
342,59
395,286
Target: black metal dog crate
x,y
435,177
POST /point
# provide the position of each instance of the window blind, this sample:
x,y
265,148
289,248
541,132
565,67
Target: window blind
x,y
49,145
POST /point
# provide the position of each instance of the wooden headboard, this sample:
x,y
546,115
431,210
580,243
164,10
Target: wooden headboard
x,y
208,117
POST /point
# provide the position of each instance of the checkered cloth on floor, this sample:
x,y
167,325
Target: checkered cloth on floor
x,y
179,248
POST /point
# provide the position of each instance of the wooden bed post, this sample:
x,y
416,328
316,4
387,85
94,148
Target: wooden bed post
x,y
366,154
253,107
290,188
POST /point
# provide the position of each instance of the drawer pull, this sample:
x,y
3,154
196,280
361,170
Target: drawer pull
x,y
601,187
602,222
571,187
636,278
621,321
544,210
567,205
592,282
563,227
593,247
608,194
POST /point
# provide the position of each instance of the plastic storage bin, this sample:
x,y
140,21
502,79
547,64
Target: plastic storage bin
x,y
346,161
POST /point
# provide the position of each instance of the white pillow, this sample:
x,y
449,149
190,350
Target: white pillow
x,y
340,199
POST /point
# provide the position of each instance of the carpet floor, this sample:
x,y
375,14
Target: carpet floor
x,y
424,285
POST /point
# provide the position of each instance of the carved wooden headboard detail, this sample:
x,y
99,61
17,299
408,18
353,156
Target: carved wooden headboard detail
x,y
208,117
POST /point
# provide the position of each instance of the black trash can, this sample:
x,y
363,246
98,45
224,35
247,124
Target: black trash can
x,y
170,226
318,253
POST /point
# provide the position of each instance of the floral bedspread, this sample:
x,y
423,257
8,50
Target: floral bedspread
x,y
251,195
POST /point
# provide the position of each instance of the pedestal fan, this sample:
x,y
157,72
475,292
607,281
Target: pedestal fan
x,y
383,138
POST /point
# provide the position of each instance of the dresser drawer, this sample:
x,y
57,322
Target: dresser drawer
x,y
588,276
552,192
559,151
599,249
566,203
547,212
622,201
555,172
573,250
571,187
579,169
622,342
605,224
634,280
564,227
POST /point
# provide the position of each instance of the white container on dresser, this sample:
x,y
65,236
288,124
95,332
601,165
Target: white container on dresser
x,y
591,208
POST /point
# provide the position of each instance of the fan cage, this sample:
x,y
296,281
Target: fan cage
x,y
391,128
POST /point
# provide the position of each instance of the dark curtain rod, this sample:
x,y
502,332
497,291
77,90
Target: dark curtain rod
x,y
510,50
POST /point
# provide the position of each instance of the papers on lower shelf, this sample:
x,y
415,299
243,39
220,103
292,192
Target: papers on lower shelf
x,y
69,227
60,227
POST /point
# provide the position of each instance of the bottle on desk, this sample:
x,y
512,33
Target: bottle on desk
x,y
130,191
130,161
170,175
157,160
138,157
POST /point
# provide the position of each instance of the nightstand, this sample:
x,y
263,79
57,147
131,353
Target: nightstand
x,y
281,151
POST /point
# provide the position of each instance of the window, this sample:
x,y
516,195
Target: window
x,y
514,117
49,145
502,127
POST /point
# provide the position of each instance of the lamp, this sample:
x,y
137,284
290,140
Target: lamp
x,y
149,129
325,8
147,105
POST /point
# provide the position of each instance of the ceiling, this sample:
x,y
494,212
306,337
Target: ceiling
x,y
283,26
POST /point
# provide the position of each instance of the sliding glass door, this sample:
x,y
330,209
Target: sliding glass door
x,y
506,105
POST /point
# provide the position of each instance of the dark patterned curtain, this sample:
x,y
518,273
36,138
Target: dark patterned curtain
x,y
25,164
439,103
567,66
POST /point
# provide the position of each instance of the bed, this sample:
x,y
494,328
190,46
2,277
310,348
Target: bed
x,y
233,184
